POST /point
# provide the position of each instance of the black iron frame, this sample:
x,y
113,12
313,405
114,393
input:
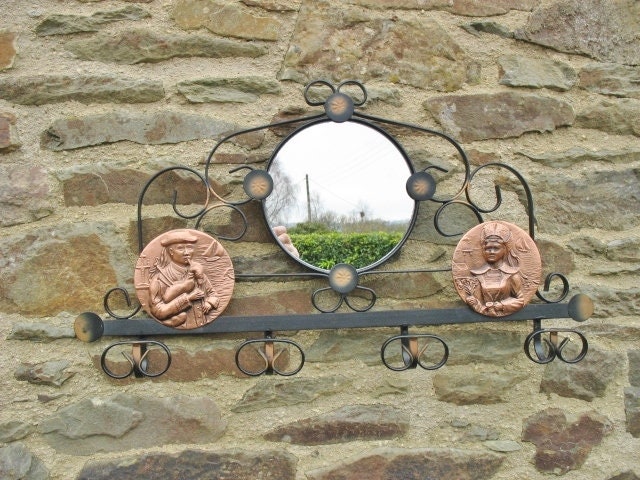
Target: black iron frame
x,y
340,107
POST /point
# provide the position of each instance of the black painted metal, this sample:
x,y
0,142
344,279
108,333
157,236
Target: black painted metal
x,y
341,107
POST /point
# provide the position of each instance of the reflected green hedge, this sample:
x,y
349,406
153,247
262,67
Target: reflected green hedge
x,y
324,250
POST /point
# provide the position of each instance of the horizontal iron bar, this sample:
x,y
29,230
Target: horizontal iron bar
x,y
323,321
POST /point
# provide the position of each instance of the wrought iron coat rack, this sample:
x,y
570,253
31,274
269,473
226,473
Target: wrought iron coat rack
x,y
406,350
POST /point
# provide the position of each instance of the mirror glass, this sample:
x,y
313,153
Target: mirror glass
x,y
339,191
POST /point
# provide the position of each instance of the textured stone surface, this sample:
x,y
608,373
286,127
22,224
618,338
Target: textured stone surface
x,y
7,49
43,89
111,182
67,269
226,19
606,31
196,465
14,430
419,53
476,387
9,140
620,117
137,46
518,71
67,24
411,464
48,373
634,367
235,90
24,194
17,462
562,446
472,8
611,79
122,422
581,200
153,129
632,410
586,380
500,115
40,332
347,424
269,393
576,155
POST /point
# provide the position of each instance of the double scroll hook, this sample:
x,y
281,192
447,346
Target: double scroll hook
x,y
546,350
413,350
141,365
267,359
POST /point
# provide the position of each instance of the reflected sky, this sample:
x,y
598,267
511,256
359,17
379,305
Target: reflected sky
x,y
349,167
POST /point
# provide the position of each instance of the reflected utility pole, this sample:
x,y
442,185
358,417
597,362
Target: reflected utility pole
x,y
306,177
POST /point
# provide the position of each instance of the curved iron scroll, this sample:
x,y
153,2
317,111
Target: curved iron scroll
x,y
340,106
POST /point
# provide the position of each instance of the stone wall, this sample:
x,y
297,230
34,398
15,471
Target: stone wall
x,y
96,96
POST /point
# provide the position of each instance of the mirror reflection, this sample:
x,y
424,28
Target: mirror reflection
x,y
339,195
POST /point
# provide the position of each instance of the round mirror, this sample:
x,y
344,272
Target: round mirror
x,y
339,195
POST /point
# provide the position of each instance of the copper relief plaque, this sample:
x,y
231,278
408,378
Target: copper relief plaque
x,y
496,268
184,278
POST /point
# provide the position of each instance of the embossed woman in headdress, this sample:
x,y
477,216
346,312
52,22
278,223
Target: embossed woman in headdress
x,y
500,279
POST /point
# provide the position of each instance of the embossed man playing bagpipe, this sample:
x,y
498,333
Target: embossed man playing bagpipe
x,y
184,278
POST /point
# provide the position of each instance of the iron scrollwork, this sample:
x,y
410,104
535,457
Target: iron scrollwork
x,y
271,355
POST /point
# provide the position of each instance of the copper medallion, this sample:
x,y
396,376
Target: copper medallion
x,y
496,268
184,279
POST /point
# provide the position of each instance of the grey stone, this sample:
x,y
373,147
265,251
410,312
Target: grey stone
x,y
476,387
17,462
606,31
234,90
48,373
138,46
347,424
566,205
39,332
477,347
616,270
619,116
272,5
588,246
416,52
623,250
42,89
632,410
271,394
586,380
15,430
576,155
341,345
611,302
611,79
117,182
519,71
25,194
498,115
634,367
151,129
9,140
195,465
412,463
493,28
68,24
628,475
122,422
225,19
471,8
503,446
